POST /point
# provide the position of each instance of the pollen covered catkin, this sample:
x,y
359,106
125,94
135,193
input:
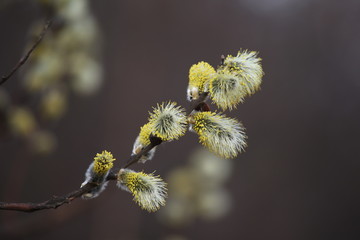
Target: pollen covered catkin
x,y
221,135
238,77
199,77
97,173
168,121
149,191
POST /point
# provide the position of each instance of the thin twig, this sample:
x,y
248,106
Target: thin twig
x,y
27,55
56,202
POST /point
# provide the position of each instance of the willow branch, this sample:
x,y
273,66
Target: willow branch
x,y
56,202
27,55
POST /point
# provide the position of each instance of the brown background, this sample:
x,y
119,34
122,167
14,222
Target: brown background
x,y
299,178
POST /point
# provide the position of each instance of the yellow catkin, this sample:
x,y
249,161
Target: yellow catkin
x,y
225,90
199,74
240,76
168,121
145,132
221,135
247,66
103,162
149,191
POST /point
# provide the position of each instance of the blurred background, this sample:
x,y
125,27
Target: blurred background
x,y
113,60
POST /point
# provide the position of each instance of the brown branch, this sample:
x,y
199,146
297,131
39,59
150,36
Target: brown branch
x,y
198,103
56,202
27,55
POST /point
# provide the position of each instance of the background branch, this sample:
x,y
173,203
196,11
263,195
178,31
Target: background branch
x,y
27,55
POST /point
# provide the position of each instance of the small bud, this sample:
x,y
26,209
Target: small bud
x,y
149,191
97,173
199,76
139,146
103,162
144,136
